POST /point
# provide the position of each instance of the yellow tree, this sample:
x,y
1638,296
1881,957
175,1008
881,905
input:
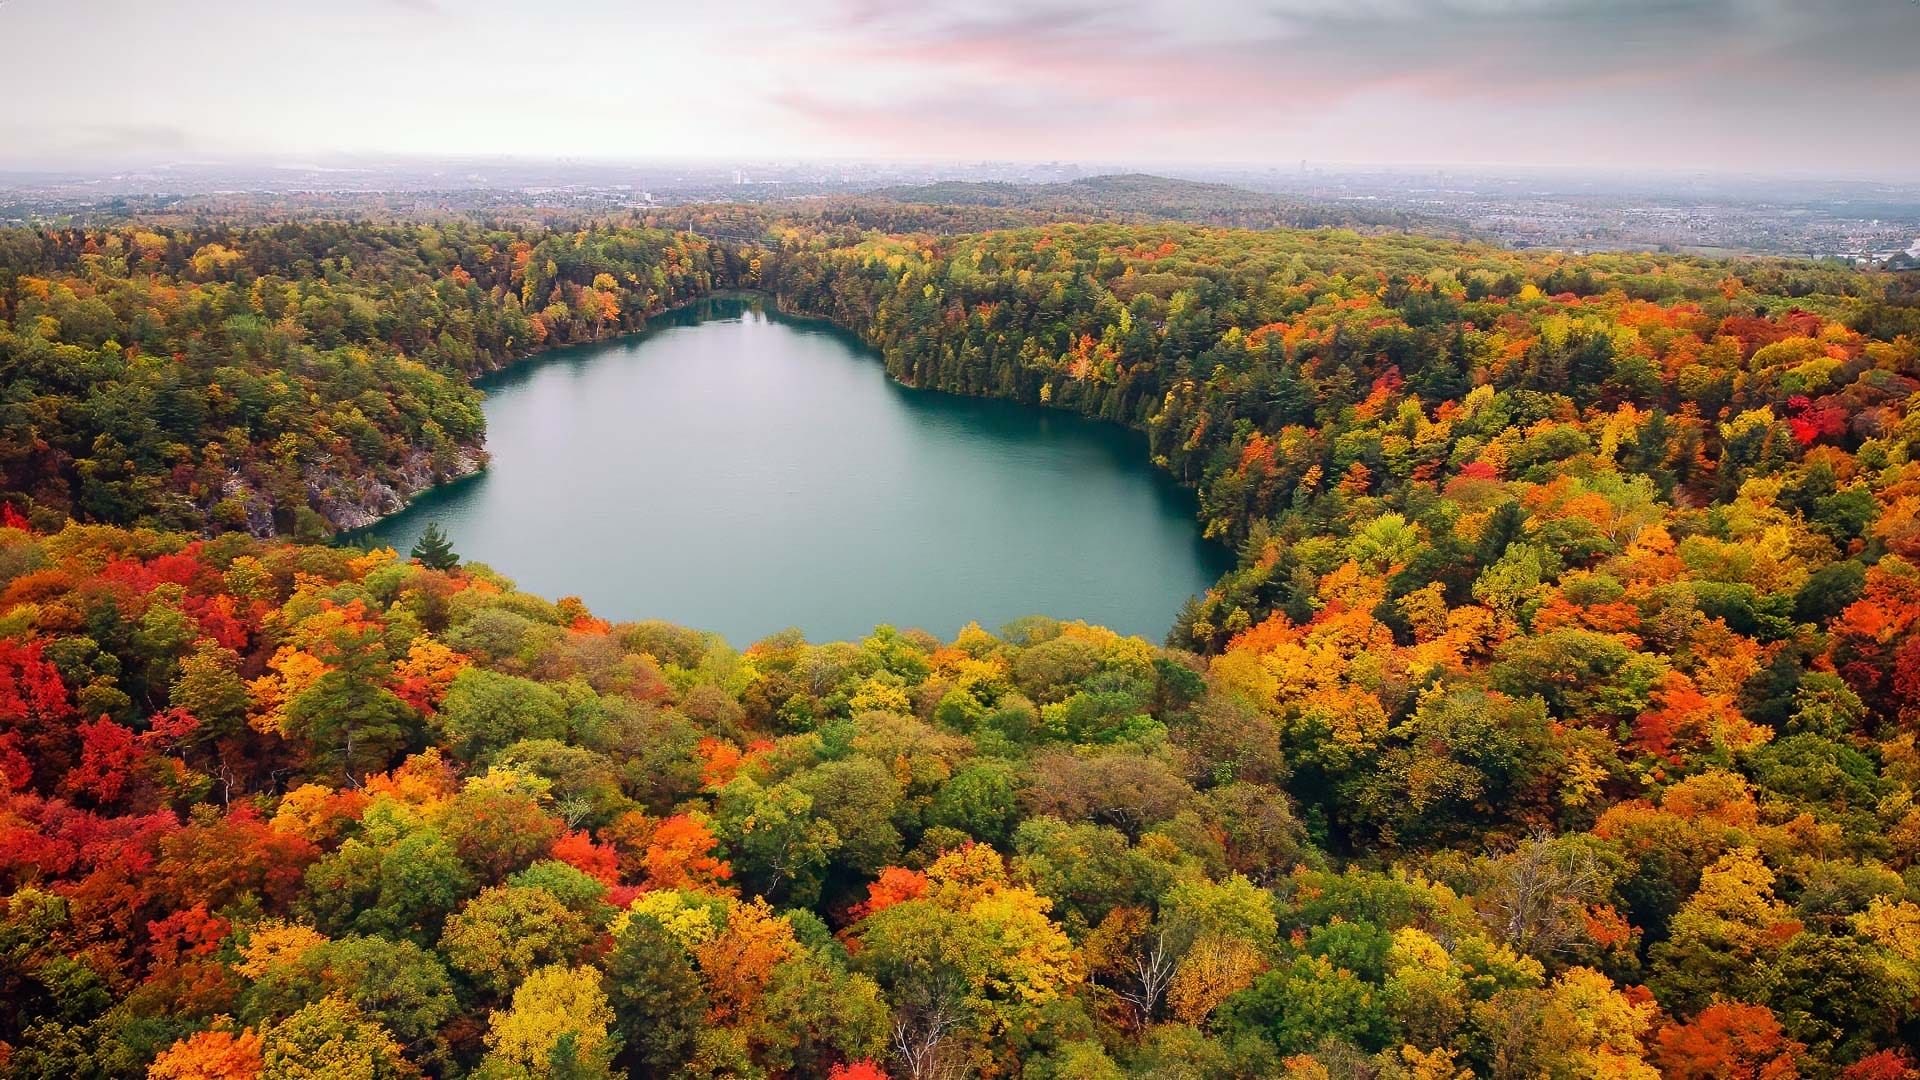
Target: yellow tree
x,y
965,960
332,1039
1215,968
558,1026
1589,1030
1723,936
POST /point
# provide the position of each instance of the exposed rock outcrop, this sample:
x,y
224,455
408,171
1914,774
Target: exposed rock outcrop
x,y
346,497
355,502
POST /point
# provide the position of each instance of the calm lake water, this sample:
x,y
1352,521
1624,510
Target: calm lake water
x,y
739,471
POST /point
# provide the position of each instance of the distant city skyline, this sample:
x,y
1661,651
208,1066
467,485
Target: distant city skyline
x,y
1752,86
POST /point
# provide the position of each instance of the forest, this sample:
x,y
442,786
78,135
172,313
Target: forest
x,y
296,379
1559,719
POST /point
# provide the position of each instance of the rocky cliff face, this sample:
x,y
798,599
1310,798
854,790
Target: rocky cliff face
x,y
354,502
346,498
256,508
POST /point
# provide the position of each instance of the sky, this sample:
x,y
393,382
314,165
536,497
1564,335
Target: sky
x,y
1811,87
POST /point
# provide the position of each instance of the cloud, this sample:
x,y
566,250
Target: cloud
x,y
1728,83
933,73
31,143
972,124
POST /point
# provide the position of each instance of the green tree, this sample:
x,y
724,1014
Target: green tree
x,y
1837,995
507,931
980,800
405,889
659,1002
397,984
1462,761
814,1013
1298,1005
856,796
485,712
434,550
777,843
210,688
349,710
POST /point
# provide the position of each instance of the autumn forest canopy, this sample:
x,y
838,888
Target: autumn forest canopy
x,y
1558,720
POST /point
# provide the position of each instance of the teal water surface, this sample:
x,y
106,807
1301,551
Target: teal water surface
x,y
736,470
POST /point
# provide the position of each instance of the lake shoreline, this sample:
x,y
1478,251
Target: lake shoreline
x,y
773,452
547,354
516,364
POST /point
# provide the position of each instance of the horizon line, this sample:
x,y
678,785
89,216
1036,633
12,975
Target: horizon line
x,y
370,161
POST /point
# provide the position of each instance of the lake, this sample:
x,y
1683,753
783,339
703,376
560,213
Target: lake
x,y
740,471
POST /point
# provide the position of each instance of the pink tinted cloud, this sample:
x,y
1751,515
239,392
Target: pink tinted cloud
x,y
1274,68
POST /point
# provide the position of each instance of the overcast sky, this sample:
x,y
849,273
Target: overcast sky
x,y
1808,86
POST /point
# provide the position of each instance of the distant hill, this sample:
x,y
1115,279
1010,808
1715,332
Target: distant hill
x,y
1119,191
1141,196
950,207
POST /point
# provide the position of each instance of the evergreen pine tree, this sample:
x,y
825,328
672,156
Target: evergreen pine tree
x,y
434,550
